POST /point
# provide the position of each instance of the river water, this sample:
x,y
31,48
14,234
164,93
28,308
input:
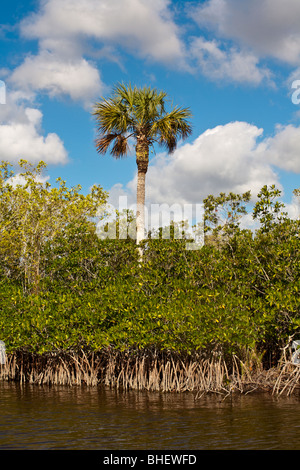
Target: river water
x,y
77,418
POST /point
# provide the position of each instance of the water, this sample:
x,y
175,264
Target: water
x,y
48,418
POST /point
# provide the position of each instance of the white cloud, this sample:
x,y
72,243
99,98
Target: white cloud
x,y
234,157
46,72
21,137
234,65
68,31
269,27
221,159
118,191
283,149
293,208
226,158
143,26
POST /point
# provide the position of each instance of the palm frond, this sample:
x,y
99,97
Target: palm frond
x,y
120,144
124,94
112,117
120,147
172,127
149,105
140,112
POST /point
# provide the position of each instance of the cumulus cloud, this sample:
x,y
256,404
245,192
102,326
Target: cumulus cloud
x,y
146,27
226,158
231,64
21,137
221,159
283,149
293,208
269,27
56,76
235,157
68,31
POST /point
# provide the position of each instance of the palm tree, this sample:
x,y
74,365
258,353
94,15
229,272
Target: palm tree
x,y
139,113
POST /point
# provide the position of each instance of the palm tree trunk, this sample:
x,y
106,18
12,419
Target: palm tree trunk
x,y
140,212
142,159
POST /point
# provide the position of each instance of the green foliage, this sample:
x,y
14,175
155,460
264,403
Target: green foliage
x,y
240,291
33,214
224,212
268,209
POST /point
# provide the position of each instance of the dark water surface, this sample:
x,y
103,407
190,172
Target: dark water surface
x,y
40,418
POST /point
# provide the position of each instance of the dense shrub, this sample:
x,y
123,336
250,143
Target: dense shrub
x,y
240,291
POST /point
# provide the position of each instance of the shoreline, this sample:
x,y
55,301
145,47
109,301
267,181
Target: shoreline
x,y
150,371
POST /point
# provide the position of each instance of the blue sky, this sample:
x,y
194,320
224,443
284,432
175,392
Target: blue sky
x,y
232,63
